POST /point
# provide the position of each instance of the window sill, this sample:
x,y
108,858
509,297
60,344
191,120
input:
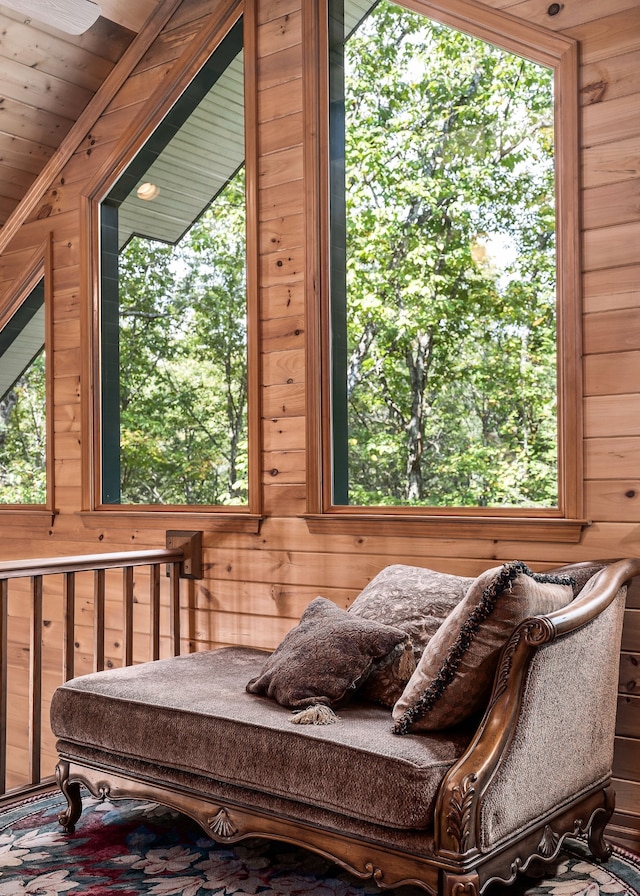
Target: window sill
x,y
207,521
27,516
450,526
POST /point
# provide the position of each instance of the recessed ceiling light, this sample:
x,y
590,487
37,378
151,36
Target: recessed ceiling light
x,y
71,16
147,192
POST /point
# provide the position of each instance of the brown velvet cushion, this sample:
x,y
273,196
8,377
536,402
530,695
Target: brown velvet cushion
x,y
188,716
416,600
325,657
454,677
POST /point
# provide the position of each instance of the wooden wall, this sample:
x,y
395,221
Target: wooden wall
x,y
256,585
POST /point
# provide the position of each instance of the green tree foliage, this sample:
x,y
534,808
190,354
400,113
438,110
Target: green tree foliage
x,y
451,359
183,368
23,439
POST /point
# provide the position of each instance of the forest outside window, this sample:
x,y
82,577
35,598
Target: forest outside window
x,y
446,311
23,401
173,330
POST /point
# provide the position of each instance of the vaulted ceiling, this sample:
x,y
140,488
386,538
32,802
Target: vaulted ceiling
x,y
47,78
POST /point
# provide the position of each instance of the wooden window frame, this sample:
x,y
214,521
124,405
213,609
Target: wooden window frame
x,y
95,514
40,267
562,524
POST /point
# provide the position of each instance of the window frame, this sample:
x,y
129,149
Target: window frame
x,y
40,267
564,523
241,518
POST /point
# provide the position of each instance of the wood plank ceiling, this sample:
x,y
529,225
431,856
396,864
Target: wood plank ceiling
x,y
47,78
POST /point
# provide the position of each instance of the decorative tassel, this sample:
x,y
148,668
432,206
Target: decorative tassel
x,y
407,664
318,714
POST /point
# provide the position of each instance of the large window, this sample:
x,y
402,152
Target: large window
x,y
173,332
445,382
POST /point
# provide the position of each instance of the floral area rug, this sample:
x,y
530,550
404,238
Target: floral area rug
x,y
127,848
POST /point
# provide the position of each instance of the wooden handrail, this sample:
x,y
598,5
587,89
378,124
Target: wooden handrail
x,y
42,566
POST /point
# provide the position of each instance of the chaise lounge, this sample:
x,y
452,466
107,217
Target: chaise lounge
x,y
498,745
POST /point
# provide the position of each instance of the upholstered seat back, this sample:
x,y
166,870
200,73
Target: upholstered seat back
x,y
571,687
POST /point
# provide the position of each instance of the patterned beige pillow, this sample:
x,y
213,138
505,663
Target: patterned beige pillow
x,y
324,658
416,600
454,677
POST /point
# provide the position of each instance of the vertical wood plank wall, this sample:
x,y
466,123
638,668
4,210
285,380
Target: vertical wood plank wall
x,y
256,586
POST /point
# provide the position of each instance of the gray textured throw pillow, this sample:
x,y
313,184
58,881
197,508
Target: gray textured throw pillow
x,y
325,657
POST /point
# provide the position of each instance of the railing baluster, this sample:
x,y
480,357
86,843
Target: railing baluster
x,y
192,615
68,625
154,611
98,620
35,680
174,607
127,622
4,618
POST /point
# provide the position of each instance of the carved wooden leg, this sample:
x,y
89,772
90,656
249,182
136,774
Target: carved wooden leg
x,y
459,884
595,835
71,791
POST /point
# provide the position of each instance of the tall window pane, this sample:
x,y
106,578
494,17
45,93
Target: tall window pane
x,y
173,328
442,266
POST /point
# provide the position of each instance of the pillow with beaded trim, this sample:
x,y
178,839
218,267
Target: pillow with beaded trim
x,y
455,674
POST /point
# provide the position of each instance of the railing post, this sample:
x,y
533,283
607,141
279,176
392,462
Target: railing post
x,y
174,607
98,620
190,543
127,620
154,612
68,625
35,681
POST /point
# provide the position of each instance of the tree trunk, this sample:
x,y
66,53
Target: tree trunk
x,y
418,366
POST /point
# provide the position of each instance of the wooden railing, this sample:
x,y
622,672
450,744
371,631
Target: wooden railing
x,y
62,584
